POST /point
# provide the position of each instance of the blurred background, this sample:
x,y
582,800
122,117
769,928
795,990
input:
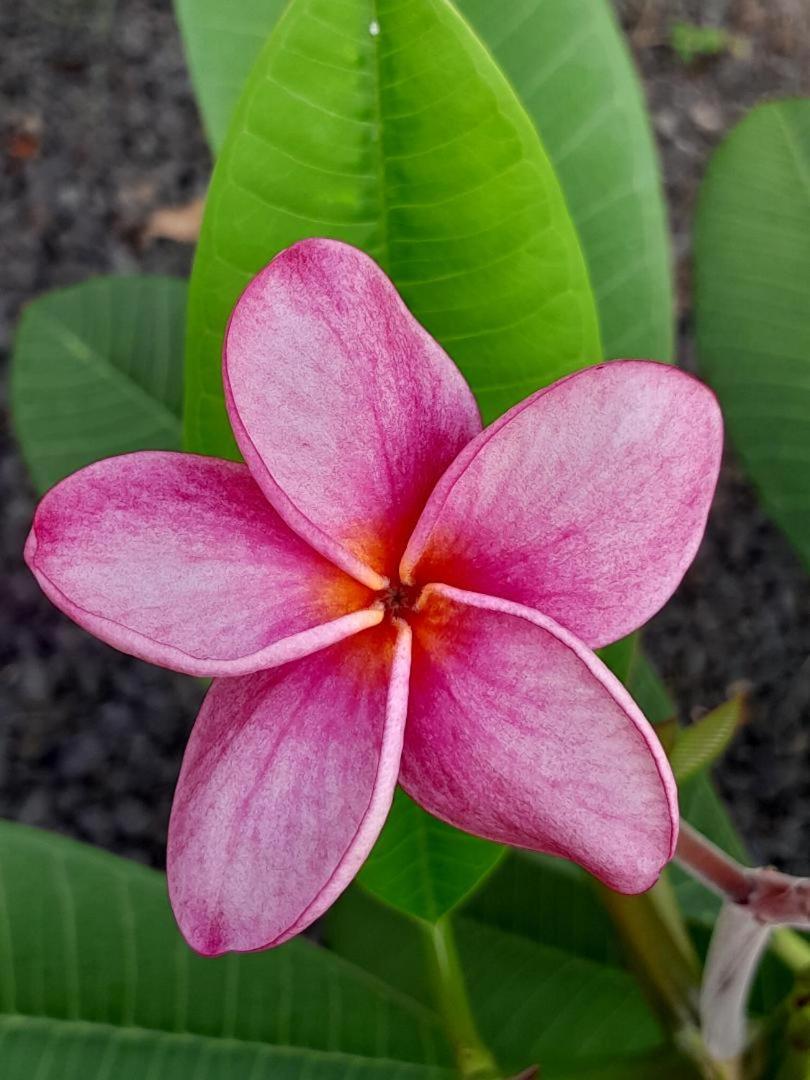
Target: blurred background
x,y
102,166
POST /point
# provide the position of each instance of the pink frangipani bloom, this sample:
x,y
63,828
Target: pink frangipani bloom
x,y
386,593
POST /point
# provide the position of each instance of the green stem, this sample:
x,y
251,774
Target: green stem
x,y
792,949
660,951
474,1060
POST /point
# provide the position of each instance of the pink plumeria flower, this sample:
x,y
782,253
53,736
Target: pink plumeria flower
x,y
386,593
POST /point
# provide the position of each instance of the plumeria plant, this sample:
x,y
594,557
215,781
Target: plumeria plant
x,y
435,808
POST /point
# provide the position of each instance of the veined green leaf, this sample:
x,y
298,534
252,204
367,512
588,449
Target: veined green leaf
x,y
571,68
221,46
387,125
543,972
97,370
96,981
549,901
703,742
752,290
74,1050
538,1003
423,866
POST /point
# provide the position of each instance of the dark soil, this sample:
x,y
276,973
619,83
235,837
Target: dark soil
x,y
98,128
742,616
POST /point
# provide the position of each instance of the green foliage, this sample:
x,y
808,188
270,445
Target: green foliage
x,y
570,67
700,804
221,45
423,866
794,1062
387,125
543,972
702,807
628,662
97,370
538,1003
691,41
752,275
95,981
549,901
703,742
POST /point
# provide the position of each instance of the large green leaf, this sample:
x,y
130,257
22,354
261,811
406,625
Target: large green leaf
x,y
572,70
386,124
423,866
551,902
32,1049
752,277
97,370
570,66
221,46
537,1003
95,981
543,973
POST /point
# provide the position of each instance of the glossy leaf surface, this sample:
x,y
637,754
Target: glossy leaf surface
x,y
423,866
221,47
540,961
96,981
387,125
97,370
572,70
752,279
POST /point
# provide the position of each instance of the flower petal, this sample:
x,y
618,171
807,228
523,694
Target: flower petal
x,y
345,409
285,785
180,560
518,733
587,501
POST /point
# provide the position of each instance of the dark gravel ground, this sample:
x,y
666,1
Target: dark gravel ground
x,y
98,128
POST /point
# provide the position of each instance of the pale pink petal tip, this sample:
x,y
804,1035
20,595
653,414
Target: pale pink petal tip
x,y
345,409
179,560
587,501
518,733
286,782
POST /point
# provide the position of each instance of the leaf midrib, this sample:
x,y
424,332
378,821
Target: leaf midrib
x,y
382,174
106,368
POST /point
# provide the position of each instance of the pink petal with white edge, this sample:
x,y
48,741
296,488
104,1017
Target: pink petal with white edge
x,y
344,407
285,785
180,560
518,733
587,501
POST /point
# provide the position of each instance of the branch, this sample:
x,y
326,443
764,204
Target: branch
x,y
473,1058
756,901
767,895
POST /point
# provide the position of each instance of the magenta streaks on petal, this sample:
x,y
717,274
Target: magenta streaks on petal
x,y
570,520
587,501
286,782
179,559
344,407
518,733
